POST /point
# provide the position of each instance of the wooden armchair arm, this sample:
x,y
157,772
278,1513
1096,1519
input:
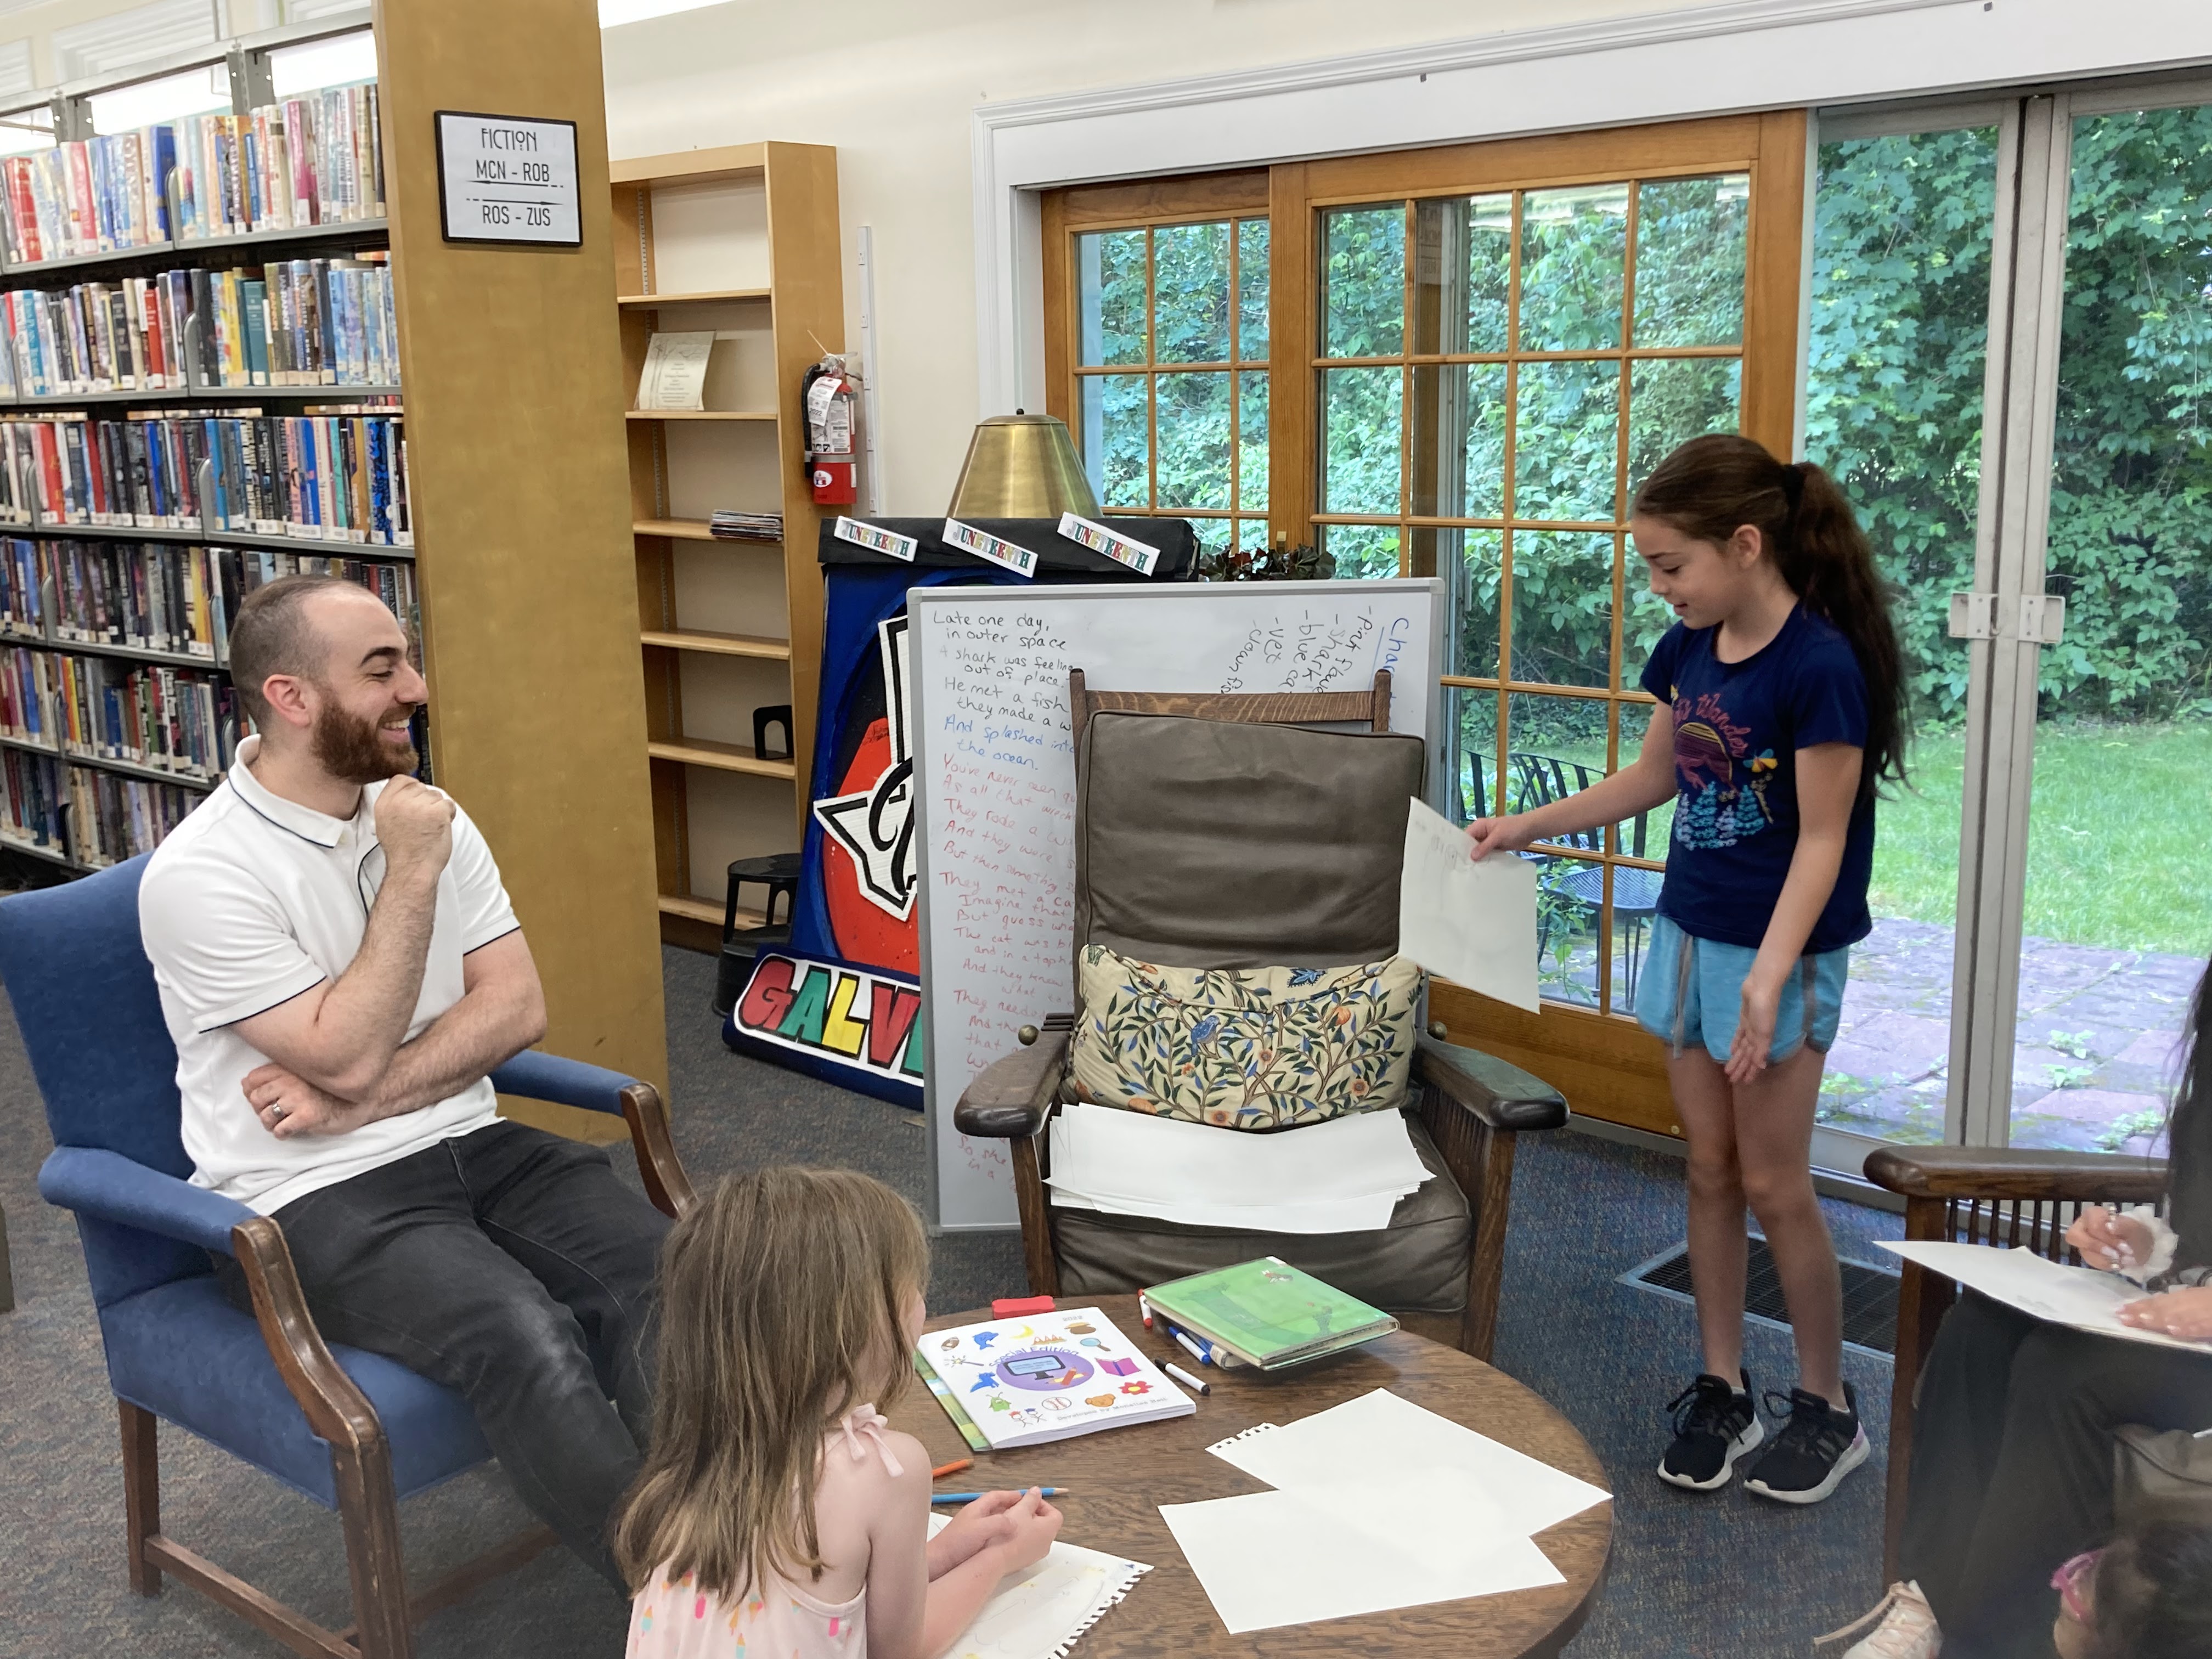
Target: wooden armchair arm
x,y
341,1414
1496,1091
1011,1098
665,1182
1990,1172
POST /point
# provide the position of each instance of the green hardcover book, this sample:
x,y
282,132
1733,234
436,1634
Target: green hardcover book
x,y
1268,1313
953,1409
253,300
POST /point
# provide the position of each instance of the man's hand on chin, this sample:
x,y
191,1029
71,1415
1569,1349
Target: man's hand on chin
x,y
290,1106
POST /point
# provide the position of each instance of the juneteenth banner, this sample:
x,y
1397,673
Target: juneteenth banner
x,y
841,1000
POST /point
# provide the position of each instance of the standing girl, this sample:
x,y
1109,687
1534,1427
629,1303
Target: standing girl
x,y
1779,712
776,1513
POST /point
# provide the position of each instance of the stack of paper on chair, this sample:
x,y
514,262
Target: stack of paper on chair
x,y
1379,1504
1344,1175
2080,1296
1042,1610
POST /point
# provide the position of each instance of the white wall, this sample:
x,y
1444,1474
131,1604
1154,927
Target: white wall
x,y
893,84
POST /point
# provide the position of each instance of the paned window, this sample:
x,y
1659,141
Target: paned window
x,y
1495,371
1457,362
1170,404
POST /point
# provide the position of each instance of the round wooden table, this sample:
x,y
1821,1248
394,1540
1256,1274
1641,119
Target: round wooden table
x,y
1119,1479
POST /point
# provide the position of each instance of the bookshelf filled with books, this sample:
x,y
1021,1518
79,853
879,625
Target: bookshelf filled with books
x,y
199,391
737,246
235,343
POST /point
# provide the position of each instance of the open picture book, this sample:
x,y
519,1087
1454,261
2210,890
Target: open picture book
x,y
1025,1382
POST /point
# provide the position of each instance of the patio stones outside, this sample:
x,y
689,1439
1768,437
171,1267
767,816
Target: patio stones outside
x,y
2096,1053
2094,1062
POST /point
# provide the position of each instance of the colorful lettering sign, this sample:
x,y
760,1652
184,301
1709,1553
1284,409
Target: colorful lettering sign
x,y
833,1011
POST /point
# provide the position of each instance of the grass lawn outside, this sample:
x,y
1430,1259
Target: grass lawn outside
x,y
2118,851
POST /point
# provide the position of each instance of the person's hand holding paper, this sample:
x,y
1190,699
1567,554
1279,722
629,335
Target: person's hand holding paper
x,y
1473,923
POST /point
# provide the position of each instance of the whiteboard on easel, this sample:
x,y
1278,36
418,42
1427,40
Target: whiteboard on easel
x,y
994,782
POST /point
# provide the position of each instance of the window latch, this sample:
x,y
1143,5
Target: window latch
x,y
2036,618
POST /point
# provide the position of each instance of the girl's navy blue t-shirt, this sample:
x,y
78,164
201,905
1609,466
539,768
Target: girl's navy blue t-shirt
x,y
1738,726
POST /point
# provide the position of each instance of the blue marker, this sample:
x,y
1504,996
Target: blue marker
x,y
1201,1349
970,1497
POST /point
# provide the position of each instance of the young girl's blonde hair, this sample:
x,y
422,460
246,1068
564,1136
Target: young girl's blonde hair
x,y
783,1298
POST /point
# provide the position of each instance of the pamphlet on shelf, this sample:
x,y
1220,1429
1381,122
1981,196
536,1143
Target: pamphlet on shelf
x,y
675,376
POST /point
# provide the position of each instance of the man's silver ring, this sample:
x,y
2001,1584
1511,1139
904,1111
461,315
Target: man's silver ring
x,y
277,1114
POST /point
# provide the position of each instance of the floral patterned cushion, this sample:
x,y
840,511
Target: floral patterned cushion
x,y
1244,1048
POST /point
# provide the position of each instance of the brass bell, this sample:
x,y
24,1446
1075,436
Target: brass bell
x,y
1022,466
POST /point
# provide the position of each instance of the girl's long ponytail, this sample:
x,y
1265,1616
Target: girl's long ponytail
x,y
1709,486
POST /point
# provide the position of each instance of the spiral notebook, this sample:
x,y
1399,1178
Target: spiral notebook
x,y
1041,1613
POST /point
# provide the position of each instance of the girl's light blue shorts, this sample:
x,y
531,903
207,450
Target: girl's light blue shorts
x,y
1690,989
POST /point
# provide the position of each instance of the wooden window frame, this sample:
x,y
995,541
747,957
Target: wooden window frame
x,y
1607,1066
1152,203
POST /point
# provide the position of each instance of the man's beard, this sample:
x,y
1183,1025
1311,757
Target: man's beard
x,y
353,751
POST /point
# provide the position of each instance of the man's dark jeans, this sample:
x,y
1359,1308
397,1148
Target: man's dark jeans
x,y
512,1267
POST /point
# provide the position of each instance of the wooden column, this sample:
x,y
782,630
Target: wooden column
x,y
512,364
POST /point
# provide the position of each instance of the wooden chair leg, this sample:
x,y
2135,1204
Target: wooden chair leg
x,y
1923,1299
142,1494
1037,1254
1492,1195
368,1507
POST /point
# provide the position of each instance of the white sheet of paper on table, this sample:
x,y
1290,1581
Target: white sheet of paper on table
x,y
1382,1437
1041,1611
2080,1296
1272,1559
1474,924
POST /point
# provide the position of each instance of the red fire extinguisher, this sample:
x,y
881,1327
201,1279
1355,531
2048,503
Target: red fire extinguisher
x,y
832,400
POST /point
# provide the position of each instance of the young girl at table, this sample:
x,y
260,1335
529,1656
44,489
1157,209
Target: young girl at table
x,y
1779,711
777,1513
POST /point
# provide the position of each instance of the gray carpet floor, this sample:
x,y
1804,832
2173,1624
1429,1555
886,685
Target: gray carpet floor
x,y
1692,1574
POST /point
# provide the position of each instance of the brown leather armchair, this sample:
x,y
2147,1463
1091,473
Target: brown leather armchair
x,y
1221,832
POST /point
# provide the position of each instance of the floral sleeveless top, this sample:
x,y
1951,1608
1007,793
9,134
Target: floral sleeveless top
x,y
673,1618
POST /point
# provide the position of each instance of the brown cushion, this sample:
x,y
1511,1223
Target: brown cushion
x,y
1214,844
1418,1264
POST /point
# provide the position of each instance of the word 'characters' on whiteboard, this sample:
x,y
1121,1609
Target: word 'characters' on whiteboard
x,y
875,540
1087,532
507,178
1005,554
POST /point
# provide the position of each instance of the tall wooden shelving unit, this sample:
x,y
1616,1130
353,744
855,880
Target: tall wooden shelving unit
x,y
511,368
743,241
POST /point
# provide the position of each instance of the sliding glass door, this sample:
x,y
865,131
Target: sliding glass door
x,y
1897,355
2010,366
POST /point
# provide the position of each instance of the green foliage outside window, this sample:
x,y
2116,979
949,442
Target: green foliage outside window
x,y
1901,305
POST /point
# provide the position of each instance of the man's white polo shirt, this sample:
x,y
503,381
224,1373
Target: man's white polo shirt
x,y
253,899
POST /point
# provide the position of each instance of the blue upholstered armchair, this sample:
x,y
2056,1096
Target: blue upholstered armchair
x,y
353,1431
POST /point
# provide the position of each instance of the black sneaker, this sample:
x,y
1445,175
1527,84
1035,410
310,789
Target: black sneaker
x,y
1813,1451
1714,1425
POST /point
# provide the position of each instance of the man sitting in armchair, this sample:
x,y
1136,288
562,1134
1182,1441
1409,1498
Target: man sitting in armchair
x,y
341,971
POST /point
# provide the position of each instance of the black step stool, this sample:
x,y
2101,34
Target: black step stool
x,y
779,873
